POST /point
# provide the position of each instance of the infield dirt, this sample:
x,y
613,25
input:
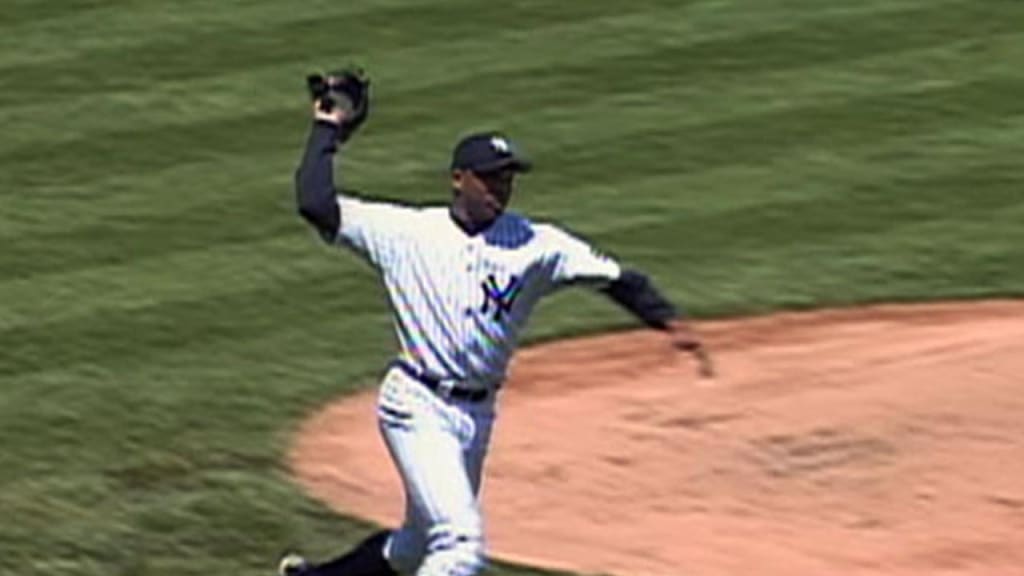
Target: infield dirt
x,y
881,440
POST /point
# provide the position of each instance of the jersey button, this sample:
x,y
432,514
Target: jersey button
x,y
469,312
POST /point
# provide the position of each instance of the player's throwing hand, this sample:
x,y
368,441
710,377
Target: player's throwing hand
x,y
685,339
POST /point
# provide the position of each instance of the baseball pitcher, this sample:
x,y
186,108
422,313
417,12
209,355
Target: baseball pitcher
x,y
461,280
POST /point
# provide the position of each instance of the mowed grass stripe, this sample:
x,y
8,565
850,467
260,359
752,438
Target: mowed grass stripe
x,y
687,111
804,174
864,209
904,264
116,338
753,139
232,221
761,137
204,53
169,103
520,24
310,350
71,32
199,393
214,266
121,198
869,209
305,361
823,42
937,218
93,156
22,12
131,194
655,75
417,74
212,270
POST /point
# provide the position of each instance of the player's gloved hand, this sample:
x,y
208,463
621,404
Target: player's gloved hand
x,y
342,98
685,339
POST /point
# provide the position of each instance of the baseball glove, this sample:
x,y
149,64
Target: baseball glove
x,y
348,88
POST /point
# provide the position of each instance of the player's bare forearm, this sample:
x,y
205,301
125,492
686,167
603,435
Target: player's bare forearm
x,y
314,180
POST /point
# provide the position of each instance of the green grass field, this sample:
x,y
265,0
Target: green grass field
x,y
166,320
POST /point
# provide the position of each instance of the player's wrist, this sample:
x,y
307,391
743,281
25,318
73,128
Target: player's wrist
x,y
327,124
324,134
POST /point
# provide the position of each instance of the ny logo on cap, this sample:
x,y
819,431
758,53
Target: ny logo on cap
x,y
500,144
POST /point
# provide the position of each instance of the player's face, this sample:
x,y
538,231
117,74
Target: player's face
x,y
498,185
483,195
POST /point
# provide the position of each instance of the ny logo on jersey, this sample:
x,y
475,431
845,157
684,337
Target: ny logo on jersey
x,y
502,298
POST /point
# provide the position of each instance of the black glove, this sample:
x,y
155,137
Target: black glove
x,y
348,88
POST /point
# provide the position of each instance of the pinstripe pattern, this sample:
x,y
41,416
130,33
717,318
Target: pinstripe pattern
x,y
460,301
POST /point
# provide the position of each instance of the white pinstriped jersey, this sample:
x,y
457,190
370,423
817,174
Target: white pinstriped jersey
x,y
460,301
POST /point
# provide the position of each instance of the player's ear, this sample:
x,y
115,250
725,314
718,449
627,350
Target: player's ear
x,y
458,179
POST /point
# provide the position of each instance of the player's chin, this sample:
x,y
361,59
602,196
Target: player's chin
x,y
494,209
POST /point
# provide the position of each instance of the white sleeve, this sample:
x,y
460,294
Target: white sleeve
x,y
373,229
574,261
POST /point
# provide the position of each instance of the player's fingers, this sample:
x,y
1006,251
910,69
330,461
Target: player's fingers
x,y
705,365
336,115
688,344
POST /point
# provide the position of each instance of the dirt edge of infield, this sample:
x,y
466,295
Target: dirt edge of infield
x,y
881,440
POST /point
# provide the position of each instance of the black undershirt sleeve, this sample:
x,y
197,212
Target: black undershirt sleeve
x,y
314,181
635,292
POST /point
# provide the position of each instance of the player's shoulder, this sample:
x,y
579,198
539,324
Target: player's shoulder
x,y
373,201
382,207
512,231
552,233
552,239
558,239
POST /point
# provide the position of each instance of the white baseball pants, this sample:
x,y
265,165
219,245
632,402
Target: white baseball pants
x,y
438,446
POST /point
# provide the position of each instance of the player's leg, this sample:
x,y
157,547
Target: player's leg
x,y
449,536
406,547
382,552
476,451
425,439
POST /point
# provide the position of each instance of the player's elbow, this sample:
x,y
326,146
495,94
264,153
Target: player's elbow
x,y
320,211
323,216
635,292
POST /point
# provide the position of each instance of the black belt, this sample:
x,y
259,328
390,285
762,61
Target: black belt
x,y
434,384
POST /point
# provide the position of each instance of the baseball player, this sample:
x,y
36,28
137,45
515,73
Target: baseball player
x,y
461,281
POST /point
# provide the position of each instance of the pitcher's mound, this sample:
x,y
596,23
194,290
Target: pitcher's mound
x,y
885,440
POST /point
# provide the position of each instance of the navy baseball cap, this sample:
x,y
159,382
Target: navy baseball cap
x,y
487,152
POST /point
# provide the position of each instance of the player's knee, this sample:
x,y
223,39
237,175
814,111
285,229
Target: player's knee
x,y
453,552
